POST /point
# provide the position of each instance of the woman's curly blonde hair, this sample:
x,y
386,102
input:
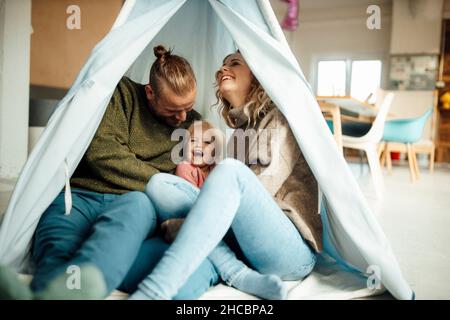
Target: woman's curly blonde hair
x,y
257,103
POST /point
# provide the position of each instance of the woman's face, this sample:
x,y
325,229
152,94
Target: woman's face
x,y
234,80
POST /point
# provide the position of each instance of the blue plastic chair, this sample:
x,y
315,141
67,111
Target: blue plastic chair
x,y
401,134
351,128
406,130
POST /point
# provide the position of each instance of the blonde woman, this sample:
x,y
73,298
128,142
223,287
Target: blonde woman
x,y
174,195
269,203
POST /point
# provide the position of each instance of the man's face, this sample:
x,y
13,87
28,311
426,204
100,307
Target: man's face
x,y
169,107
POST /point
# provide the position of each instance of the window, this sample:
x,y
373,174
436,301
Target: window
x,y
331,78
357,78
365,80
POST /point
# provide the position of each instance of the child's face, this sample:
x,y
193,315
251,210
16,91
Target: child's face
x,y
202,143
198,149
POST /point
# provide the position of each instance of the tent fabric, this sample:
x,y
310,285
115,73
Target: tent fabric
x,y
328,281
204,32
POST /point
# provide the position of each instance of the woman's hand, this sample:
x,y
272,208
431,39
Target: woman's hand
x,y
170,229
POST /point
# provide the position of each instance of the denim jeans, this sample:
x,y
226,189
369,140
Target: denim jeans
x,y
182,197
232,197
151,251
108,231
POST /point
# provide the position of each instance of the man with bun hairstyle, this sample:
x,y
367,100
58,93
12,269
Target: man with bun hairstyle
x,y
89,252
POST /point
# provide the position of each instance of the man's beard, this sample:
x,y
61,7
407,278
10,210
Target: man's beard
x,y
172,123
167,121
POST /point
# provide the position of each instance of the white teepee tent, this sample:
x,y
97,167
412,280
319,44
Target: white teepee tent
x,y
203,31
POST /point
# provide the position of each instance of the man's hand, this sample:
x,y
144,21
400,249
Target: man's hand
x,y
170,229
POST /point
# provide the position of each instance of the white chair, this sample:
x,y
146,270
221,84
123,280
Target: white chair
x,y
369,143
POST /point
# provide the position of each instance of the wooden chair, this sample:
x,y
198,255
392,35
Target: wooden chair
x,y
335,113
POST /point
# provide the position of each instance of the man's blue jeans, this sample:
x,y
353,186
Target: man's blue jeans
x,y
113,232
232,197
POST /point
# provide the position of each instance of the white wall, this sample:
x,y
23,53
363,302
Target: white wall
x,y
15,27
416,29
416,26
337,29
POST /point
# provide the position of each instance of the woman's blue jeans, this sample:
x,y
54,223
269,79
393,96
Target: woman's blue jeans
x,y
182,197
232,197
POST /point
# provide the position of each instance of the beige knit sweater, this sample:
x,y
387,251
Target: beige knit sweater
x,y
275,157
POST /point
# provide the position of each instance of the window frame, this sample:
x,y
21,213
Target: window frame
x,y
317,74
348,63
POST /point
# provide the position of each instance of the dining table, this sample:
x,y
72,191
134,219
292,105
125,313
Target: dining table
x,y
351,108
346,111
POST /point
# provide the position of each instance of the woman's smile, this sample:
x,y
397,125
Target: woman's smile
x,y
234,79
225,78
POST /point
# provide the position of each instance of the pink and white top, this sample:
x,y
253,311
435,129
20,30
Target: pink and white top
x,y
191,173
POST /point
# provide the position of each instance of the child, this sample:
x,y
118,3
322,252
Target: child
x,y
201,155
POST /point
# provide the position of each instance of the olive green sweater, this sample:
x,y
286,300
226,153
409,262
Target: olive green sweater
x,y
130,145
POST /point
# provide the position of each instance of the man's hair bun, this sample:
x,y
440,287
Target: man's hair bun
x,y
161,52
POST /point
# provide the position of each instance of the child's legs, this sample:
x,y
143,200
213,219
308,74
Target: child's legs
x,y
171,195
